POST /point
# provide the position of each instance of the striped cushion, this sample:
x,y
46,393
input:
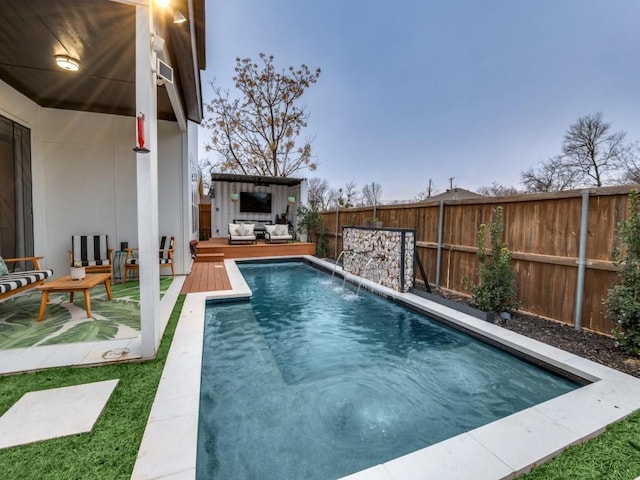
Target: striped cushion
x,y
90,250
166,244
13,281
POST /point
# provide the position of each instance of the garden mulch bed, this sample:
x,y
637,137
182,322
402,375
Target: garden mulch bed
x,y
593,346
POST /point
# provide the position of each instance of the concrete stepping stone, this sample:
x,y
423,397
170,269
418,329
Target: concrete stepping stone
x,y
54,413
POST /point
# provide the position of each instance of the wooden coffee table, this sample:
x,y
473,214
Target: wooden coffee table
x,y
66,284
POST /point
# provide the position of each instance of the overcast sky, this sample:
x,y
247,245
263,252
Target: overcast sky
x,y
413,90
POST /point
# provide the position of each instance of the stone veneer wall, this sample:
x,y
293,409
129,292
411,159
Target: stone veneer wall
x,y
381,248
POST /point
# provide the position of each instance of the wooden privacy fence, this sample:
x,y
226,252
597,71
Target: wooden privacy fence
x,y
561,243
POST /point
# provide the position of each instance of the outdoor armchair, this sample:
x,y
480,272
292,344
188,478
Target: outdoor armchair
x,y
165,257
241,233
277,233
91,252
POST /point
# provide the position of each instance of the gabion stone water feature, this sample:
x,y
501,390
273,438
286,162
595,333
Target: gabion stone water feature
x,y
384,255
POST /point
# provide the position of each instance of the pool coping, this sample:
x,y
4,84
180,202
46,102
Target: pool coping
x,y
501,449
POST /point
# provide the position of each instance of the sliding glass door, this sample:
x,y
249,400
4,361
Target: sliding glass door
x,y
16,207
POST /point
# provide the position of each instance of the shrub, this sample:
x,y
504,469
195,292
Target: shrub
x,y
310,222
623,300
322,247
496,291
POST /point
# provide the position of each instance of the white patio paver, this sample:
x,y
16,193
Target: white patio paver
x,y
54,413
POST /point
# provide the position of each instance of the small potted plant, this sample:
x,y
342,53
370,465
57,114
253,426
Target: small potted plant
x,y
77,271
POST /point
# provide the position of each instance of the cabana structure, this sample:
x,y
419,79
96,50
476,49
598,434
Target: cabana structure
x,y
100,102
254,199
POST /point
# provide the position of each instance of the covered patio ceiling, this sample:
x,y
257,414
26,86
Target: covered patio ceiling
x,y
100,34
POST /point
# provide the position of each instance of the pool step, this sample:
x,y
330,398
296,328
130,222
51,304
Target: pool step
x,y
209,257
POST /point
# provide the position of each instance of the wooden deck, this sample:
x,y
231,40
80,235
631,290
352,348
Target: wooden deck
x,y
206,277
208,273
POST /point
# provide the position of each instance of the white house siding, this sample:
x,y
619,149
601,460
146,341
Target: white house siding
x,y
84,169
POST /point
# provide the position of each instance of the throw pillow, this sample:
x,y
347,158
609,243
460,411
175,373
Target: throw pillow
x,y
243,230
3,267
281,230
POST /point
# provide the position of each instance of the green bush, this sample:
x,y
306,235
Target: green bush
x,y
496,291
322,247
623,300
310,222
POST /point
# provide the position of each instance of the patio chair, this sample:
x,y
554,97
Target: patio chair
x,y
13,282
165,257
91,252
277,233
242,233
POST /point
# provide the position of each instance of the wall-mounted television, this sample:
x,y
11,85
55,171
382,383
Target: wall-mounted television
x,y
255,202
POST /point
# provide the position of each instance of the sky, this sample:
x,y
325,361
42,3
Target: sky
x,y
419,90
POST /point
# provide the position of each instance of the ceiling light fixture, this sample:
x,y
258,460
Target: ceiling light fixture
x,y
164,3
67,63
178,17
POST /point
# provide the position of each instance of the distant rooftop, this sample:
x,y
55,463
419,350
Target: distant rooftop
x,y
455,194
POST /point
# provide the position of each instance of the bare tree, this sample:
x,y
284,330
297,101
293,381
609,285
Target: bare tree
x,y
348,195
631,164
497,190
551,176
371,194
592,155
257,133
206,167
592,148
335,198
318,193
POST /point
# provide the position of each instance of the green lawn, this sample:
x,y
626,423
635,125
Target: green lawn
x,y
110,450
614,455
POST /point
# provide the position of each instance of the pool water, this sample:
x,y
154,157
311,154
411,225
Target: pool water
x,y
310,381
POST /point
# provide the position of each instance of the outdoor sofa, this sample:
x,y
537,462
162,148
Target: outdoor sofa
x,y
259,226
12,282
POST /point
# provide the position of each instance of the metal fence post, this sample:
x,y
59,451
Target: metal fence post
x,y
335,248
439,251
582,259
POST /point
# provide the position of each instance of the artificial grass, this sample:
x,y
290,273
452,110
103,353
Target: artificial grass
x,y
110,450
613,455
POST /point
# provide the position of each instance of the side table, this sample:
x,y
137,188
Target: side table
x,y
118,265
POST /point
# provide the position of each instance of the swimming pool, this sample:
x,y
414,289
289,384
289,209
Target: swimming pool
x,y
311,381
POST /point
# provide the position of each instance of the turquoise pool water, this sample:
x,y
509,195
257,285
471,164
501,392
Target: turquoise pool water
x,y
310,381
